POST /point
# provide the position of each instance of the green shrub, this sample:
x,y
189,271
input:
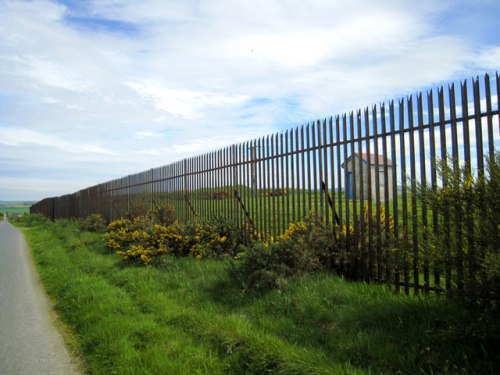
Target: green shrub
x,y
467,234
32,220
217,237
308,246
163,214
93,223
264,266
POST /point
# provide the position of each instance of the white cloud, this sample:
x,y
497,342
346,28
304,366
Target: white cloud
x,y
56,75
489,58
19,136
180,102
148,134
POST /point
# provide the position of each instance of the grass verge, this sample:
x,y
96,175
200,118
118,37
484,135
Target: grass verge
x,y
184,316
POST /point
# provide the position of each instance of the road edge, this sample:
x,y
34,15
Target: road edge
x,y
68,337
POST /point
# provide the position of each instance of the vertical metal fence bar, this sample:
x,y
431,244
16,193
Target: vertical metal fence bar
x,y
332,170
446,218
309,184
298,206
315,169
355,158
404,197
287,181
215,182
319,177
197,194
191,197
245,183
413,176
432,141
282,184
248,184
489,118
202,186
226,184
303,165
325,178
458,214
369,216
185,189
254,193
221,186
423,181
376,221
339,172
498,100
479,128
240,183
206,185
268,189
236,151
214,164
262,224
347,186
293,176
362,194
274,146
387,195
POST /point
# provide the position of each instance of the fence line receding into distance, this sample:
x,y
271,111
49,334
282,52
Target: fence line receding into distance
x,y
345,169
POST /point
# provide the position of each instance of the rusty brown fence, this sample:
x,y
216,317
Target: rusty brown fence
x,y
346,170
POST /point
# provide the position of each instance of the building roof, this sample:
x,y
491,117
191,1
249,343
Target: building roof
x,y
371,159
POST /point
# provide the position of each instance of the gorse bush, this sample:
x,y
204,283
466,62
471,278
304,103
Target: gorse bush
x,y
137,240
163,214
93,223
306,246
219,237
467,229
143,238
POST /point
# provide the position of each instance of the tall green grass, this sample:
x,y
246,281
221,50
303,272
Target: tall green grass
x,y
184,316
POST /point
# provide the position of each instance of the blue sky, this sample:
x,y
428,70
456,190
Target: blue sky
x,y
95,90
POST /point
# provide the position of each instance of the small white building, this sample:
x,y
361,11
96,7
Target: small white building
x,y
358,166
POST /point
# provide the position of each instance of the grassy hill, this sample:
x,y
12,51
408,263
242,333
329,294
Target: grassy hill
x,y
12,207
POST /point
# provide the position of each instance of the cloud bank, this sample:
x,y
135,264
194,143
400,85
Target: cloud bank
x,y
94,90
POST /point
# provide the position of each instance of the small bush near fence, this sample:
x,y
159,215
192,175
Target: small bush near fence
x,y
93,223
307,246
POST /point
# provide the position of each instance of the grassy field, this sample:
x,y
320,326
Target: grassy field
x,y
15,207
270,214
184,316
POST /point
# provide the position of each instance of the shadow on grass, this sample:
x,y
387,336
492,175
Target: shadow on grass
x,y
370,326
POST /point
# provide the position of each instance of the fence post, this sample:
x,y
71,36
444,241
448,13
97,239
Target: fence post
x,y
184,189
234,161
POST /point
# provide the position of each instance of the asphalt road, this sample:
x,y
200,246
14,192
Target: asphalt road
x,y
29,342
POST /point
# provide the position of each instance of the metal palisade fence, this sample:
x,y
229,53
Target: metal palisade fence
x,y
346,170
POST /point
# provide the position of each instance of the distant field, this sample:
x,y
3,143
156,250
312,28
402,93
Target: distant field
x,y
15,207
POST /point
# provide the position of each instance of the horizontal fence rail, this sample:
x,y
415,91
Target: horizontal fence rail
x,y
346,170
